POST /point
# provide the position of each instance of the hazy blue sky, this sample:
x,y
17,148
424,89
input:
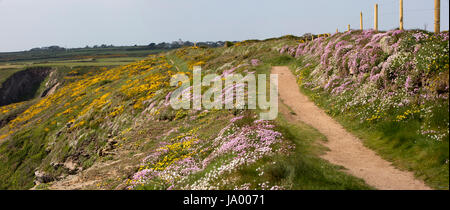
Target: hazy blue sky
x,y
25,24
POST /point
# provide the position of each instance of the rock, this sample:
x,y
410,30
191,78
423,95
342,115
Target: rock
x,y
42,177
111,141
110,145
61,177
69,124
72,166
50,90
56,165
122,186
385,46
48,149
58,134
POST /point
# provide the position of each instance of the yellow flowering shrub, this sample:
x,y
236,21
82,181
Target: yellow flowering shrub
x,y
10,107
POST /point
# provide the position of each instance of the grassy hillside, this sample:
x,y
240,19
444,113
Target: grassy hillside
x,y
124,110
99,117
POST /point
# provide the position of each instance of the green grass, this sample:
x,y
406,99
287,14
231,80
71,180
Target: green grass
x,y
6,73
24,153
281,60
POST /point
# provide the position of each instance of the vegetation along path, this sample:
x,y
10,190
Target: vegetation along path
x,y
344,148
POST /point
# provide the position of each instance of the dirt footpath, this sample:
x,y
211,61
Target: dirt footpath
x,y
345,149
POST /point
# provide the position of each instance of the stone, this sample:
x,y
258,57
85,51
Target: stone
x,y
110,145
42,177
72,166
56,165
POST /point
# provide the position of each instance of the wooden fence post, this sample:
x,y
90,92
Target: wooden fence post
x,y
375,24
361,21
348,27
437,16
401,15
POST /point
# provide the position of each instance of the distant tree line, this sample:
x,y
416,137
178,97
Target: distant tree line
x,y
151,46
51,48
180,43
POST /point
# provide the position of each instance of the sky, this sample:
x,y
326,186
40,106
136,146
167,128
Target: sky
x,y
25,24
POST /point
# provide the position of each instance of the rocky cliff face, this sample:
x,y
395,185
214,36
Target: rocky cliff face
x,y
22,85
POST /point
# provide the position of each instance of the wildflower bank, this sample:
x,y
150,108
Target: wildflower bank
x,y
394,84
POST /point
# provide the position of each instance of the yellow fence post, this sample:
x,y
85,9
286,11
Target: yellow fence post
x,y
375,22
401,14
361,21
437,16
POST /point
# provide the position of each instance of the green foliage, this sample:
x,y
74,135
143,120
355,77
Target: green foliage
x,y
281,60
20,157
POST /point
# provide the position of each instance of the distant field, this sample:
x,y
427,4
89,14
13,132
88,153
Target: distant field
x,y
8,66
80,53
7,69
73,57
82,62
81,58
